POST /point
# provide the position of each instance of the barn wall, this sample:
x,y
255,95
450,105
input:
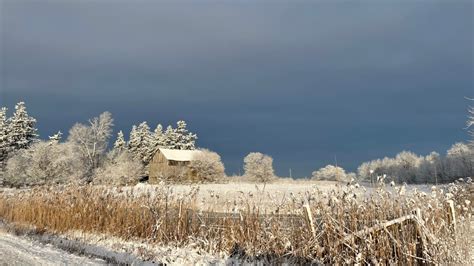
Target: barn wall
x,y
160,168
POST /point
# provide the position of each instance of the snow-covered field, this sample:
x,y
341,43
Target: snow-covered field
x,y
225,196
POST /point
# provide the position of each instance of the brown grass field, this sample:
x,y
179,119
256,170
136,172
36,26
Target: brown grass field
x,y
296,222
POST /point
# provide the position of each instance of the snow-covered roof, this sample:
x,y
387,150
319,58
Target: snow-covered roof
x,y
179,155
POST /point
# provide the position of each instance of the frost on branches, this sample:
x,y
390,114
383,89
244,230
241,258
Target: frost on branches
x,y
259,166
470,125
44,162
331,173
91,140
207,166
122,169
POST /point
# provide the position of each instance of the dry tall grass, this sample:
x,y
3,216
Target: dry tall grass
x,y
285,234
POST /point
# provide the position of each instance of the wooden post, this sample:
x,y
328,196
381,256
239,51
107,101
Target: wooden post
x,y
309,218
452,215
418,221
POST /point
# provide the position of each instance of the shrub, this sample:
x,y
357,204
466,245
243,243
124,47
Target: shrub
x,y
207,166
331,173
44,163
120,169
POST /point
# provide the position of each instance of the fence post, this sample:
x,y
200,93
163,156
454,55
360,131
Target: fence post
x,y
309,219
452,215
421,236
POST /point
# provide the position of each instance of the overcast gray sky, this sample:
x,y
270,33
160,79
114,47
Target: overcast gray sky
x,y
303,81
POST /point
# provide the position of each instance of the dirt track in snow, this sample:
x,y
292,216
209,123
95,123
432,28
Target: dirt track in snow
x,y
19,251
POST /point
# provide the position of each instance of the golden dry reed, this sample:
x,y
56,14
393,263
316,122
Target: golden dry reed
x,y
435,230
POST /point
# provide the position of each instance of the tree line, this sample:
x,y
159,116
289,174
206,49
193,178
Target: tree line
x,y
83,156
408,167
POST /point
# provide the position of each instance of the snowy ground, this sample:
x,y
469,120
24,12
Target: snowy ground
x,y
20,251
225,196
218,197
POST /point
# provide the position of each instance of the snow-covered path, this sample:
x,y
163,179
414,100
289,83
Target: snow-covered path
x,y
19,251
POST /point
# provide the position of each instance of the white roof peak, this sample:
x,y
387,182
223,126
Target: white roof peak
x,y
179,155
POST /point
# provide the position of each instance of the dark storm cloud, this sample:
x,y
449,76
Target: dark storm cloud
x,y
301,81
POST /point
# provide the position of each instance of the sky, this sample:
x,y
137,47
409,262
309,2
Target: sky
x,y
307,82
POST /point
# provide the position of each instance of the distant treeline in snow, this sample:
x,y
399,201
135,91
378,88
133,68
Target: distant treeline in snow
x,y
84,157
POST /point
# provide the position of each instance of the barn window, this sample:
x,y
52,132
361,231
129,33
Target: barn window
x,y
173,163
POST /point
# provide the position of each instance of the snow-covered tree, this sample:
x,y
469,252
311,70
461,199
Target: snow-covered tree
x,y
184,139
207,166
120,144
140,141
22,131
4,132
121,169
259,166
460,160
470,125
170,138
330,172
407,166
430,169
56,138
91,140
44,163
157,140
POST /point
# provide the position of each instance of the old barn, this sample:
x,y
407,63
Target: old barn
x,y
171,164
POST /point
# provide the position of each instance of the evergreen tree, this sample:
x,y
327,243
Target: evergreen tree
x,y
140,142
120,143
170,138
22,131
184,139
157,140
133,142
56,138
4,130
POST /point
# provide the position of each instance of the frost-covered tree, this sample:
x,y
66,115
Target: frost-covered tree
x,y
22,131
259,167
470,125
120,169
331,173
120,144
157,140
91,140
430,169
207,166
4,132
407,166
184,139
140,141
170,138
56,138
44,162
460,160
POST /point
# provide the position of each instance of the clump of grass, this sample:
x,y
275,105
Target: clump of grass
x,y
248,231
